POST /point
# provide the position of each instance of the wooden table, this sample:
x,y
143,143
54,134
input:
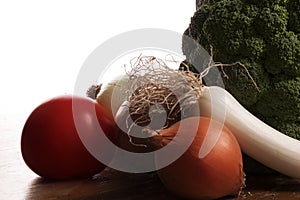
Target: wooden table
x,y
18,182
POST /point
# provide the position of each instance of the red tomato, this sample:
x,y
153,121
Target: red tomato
x,y
50,144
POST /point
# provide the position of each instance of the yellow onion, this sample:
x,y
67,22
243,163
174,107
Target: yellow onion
x,y
113,94
218,174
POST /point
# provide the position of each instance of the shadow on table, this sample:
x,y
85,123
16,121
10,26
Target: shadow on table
x,y
273,182
118,185
108,185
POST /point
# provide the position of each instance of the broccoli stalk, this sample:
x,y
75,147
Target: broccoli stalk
x,y
264,35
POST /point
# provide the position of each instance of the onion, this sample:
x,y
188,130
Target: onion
x,y
113,94
218,174
160,100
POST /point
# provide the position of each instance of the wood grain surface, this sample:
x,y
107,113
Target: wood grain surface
x,y
18,182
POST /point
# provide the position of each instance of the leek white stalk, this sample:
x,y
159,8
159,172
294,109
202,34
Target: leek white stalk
x,y
257,139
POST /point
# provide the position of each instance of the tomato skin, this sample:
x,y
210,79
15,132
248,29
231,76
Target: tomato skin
x,y
50,144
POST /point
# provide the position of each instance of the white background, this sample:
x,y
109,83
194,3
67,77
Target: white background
x,y
44,43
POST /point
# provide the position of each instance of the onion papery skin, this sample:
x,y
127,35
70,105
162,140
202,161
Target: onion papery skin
x,y
218,174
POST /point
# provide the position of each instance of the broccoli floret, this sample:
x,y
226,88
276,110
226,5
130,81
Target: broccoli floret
x,y
294,16
264,35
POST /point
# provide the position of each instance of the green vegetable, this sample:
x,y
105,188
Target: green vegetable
x,y
264,35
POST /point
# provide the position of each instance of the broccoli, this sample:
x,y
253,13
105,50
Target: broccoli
x,y
264,35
